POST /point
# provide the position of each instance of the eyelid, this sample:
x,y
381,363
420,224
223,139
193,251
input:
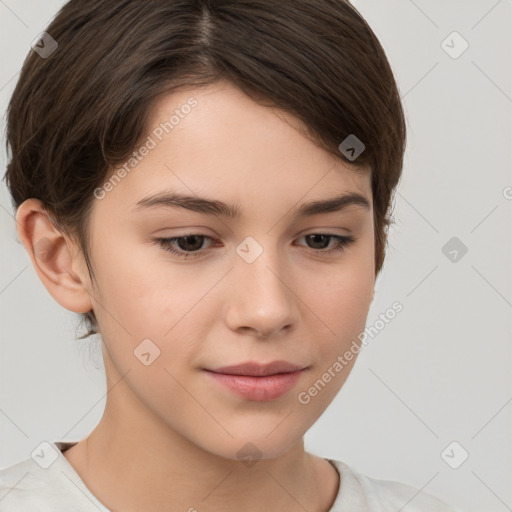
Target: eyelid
x,y
343,242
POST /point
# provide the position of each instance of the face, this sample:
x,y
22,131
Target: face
x,y
183,290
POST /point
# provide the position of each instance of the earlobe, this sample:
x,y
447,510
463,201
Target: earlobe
x,y
54,257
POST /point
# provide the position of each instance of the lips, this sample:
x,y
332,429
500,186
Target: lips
x,y
257,382
258,370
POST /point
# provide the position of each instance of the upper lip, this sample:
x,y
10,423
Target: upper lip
x,y
257,369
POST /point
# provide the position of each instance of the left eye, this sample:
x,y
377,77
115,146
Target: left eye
x,y
190,245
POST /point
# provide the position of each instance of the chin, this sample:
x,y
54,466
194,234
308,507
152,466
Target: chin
x,y
249,449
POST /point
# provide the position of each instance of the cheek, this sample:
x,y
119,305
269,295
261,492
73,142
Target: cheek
x,y
343,296
342,305
144,295
150,294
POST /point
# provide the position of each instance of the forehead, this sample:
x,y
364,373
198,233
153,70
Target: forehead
x,y
215,141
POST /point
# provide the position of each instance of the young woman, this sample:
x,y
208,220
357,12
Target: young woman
x,y
208,183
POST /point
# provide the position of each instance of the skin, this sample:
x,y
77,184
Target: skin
x,y
169,436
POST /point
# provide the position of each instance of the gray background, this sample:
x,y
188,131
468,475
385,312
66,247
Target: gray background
x,y
440,371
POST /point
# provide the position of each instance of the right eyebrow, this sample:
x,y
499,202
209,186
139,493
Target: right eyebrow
x,y
208,206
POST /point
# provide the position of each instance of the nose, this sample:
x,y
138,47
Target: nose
x,y
261,300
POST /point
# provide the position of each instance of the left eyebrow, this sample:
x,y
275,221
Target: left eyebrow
x,y
171,199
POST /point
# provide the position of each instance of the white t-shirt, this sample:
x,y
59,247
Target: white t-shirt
x,y
46,482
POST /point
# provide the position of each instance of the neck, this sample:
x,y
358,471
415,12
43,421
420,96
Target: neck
x,y
134,461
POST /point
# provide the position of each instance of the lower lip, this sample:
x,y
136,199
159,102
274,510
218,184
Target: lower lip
x,y
260,389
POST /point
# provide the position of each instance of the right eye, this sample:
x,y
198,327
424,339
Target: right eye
x,y
189,245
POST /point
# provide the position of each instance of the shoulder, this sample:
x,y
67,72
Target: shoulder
x,y
45,482
20,486
373,494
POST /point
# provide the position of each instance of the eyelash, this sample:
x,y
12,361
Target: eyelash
x,y
166,243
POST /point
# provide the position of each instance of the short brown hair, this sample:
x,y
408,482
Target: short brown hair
x,y
79,112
